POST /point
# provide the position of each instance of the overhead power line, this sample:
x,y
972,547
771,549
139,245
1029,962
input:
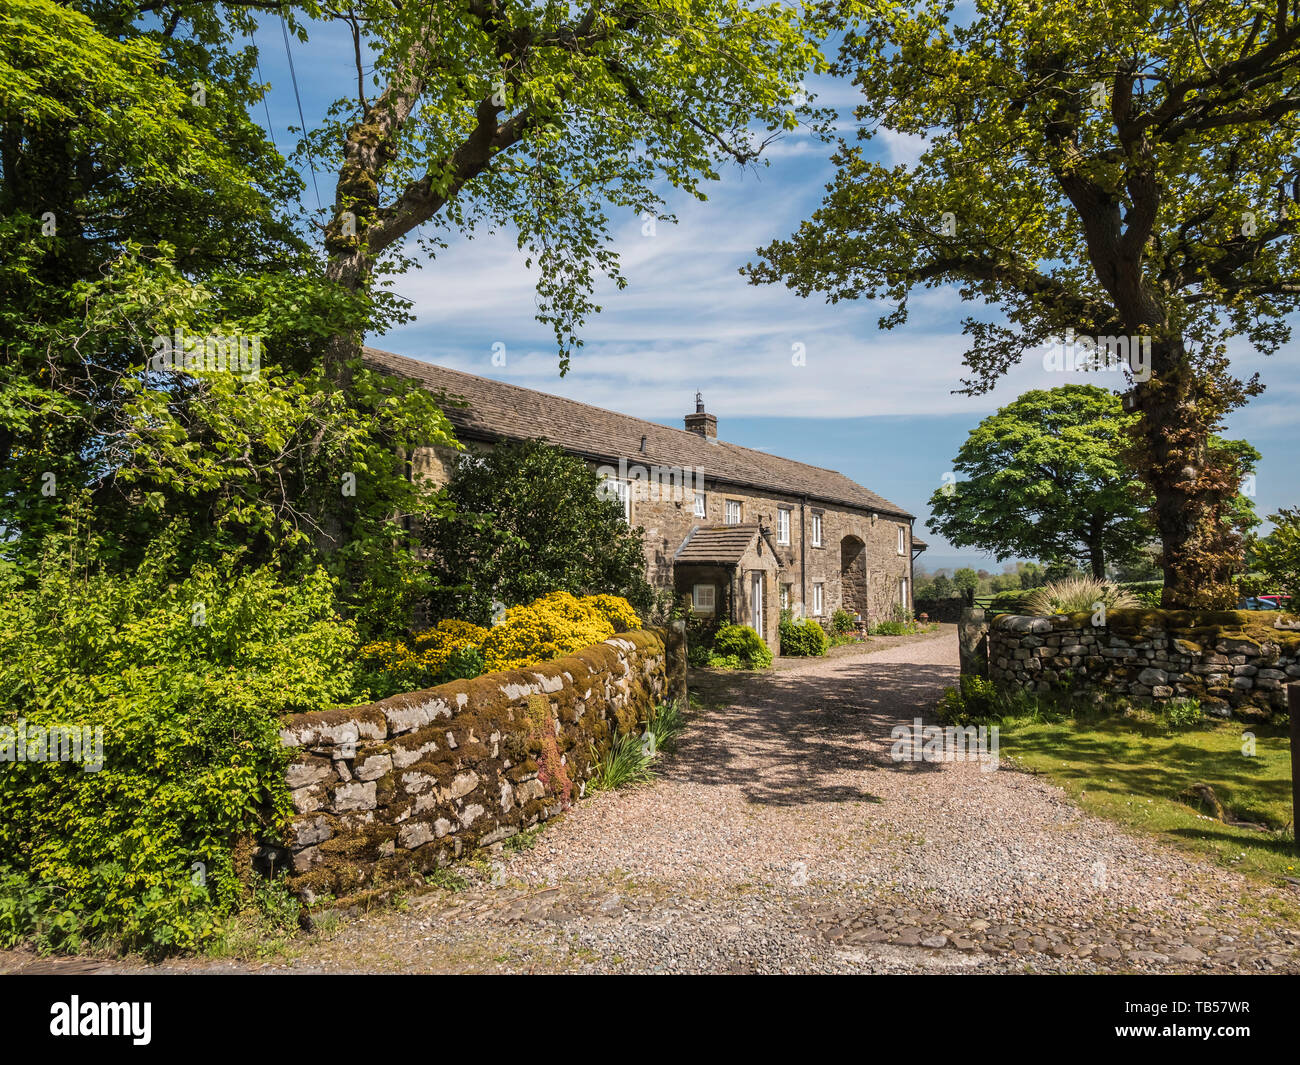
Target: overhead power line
x,y
293,75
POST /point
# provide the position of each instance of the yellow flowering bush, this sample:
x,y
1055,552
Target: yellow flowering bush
x,y
554,625
437,652
438,644
616,610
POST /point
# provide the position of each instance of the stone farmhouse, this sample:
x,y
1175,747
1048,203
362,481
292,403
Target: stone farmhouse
x,y
743,533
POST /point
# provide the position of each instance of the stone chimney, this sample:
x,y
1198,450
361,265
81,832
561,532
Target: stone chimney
x,y
699,422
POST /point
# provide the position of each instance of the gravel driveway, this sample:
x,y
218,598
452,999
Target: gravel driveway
x,y
782,837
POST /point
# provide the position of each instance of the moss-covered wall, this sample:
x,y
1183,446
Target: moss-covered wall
x,y
1236,662
385,792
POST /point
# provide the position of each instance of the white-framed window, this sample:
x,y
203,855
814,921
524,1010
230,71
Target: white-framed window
x,y
701,505
817,600
782,526
903,601
785,597
817,532
902,539
613,488
702,598
733,512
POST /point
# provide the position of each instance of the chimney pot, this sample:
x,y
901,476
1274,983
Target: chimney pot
x,y
706,425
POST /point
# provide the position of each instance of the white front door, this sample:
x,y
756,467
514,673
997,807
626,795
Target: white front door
x,y
757,598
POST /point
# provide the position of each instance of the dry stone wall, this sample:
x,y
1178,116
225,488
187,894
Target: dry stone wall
x,y
385,792
1234,662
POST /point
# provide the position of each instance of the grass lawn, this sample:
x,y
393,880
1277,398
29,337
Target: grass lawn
x,y
1133,767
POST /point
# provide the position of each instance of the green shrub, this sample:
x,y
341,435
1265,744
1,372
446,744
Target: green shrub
x,y
187,673
803,638
1183,713
974,700
739,647
464,663
1147,593
899,623
842,622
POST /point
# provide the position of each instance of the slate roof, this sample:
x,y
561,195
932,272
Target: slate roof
x,y
497,409
721,544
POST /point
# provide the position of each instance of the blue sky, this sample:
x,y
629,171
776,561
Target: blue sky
x,y
875,405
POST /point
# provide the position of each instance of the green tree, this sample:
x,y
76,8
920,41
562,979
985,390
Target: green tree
x,y
966,581
942,587
1277,555
1119,169
138,199
1044,477
530,519
542,119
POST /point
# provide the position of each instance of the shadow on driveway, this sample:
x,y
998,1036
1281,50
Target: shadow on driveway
x,y
790,738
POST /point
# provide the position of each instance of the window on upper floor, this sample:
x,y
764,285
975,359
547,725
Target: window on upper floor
x,y
613,488
816,530
701,505
733,512
782,526
902,539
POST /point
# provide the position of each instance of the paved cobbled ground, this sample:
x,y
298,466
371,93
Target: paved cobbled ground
x,y
782,837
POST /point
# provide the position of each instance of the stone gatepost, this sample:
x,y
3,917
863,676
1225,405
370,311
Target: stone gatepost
x,y
675,649
973,642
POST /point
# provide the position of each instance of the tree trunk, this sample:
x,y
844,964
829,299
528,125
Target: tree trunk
x,y
1096,552
1179,413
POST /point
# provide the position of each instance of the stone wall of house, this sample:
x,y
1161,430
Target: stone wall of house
x,y
873,574
1234,662
385,792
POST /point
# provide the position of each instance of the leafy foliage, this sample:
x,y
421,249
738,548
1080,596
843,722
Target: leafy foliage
x,y
187,673
975,699
627,762
1111,169
542,119
1044,477
803,638
739,647
140,200
1277,556
530,519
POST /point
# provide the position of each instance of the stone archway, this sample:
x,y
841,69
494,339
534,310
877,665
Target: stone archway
x,y
853,576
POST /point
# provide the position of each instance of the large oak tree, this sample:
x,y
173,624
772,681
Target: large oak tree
x,y
1117,168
